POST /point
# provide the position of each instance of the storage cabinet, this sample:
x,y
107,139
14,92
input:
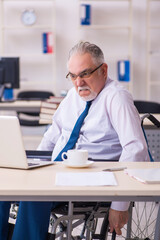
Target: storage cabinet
x,y
111,19
21,35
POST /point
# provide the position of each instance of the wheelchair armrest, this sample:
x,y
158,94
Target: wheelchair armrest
x,y
151,118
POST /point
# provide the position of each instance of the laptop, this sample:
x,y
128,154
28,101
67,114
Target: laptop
x,y
12,151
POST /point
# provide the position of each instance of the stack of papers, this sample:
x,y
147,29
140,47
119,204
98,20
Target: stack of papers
x,y
146,175
85,179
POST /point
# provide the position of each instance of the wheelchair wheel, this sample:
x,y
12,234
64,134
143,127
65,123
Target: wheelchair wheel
x,y
142,223
141,226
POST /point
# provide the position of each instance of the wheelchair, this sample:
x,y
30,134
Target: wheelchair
x,y
84,221
90,219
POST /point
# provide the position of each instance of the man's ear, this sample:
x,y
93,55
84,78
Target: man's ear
x,y
105,70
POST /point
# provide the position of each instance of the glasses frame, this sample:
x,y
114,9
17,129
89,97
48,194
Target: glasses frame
x,y
90,73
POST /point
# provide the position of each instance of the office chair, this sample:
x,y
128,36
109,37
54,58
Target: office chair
x,y
31,119
152,133
147,106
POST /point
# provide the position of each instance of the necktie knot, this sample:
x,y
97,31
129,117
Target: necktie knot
x,y
88,103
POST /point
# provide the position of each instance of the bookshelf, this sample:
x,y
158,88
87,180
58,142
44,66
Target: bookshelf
x,y
111,19
21,34
153,50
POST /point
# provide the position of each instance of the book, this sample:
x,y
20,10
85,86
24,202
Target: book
x,y
145,175
45,121
48,108
52,102
47,104
46,116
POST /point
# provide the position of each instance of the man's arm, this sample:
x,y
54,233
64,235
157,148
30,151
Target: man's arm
x,y
118,216
117,219
126,121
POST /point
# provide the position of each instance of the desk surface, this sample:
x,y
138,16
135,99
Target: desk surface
x,y
25,106
39,184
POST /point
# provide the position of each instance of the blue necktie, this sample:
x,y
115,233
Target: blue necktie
x,y
75,132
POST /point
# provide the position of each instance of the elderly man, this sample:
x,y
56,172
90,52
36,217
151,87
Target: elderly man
x,y
110,130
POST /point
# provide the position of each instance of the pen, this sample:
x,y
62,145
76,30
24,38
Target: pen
x,y
114,169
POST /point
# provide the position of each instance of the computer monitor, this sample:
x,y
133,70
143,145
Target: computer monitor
x,y
9,73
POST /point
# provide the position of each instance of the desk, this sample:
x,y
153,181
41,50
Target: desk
x,y
39,185
25,106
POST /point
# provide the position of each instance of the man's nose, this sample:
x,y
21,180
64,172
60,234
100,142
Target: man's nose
x,y
79,81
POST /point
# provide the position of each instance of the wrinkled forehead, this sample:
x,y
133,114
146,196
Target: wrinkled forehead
x,y
80,62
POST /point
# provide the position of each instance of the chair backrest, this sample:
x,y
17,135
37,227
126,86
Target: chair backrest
x,y
147,106
152,136
34,95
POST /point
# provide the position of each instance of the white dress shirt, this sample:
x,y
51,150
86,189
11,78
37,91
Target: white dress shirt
x,y
111,130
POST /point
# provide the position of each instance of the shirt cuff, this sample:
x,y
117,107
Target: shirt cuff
x,y
120,206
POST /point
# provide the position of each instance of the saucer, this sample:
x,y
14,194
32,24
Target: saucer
x,y
87,164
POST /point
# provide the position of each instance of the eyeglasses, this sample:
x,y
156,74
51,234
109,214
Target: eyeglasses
x,y
83,74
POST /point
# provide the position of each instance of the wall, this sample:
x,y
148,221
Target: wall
x,y
68,34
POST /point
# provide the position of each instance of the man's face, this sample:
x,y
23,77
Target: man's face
x,y
87,87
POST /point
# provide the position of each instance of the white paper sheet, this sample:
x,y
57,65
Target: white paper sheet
x,y
145,175
85,179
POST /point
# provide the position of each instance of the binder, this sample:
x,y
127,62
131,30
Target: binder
x,y
8,94
124,70
85,14
44,36
49,42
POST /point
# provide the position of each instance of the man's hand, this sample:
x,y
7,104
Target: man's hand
x,y
117,219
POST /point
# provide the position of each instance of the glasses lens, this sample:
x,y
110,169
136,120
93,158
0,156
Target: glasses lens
x,y
85,74
72,76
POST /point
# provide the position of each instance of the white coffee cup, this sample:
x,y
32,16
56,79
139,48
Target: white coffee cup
x,y
75,157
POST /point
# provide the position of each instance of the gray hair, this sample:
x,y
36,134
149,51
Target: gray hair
x,y
86,47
